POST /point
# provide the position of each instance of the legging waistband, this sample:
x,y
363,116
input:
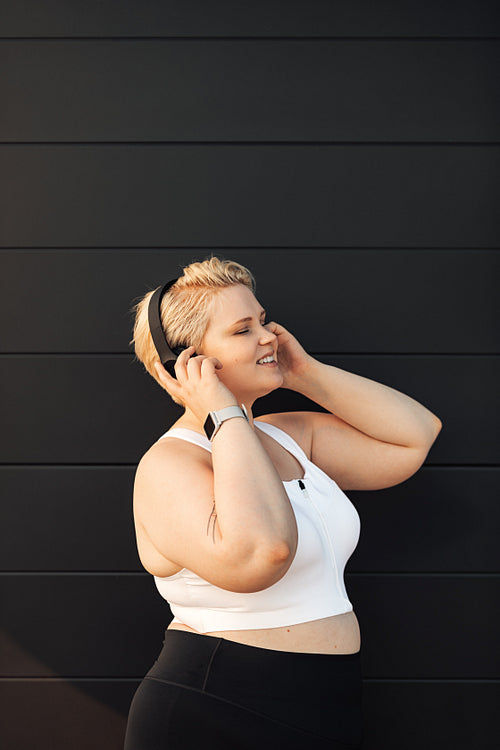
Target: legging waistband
x,y
194,658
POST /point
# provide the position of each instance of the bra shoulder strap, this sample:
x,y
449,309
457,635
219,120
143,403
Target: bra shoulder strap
x,y
283,438
190,435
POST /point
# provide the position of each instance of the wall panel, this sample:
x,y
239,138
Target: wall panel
x,y
261,18
250,90
198,195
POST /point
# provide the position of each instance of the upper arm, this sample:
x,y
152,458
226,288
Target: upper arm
x,y
173,503
356,461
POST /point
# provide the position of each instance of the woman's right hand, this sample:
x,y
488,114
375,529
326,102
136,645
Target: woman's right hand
x,y
197,385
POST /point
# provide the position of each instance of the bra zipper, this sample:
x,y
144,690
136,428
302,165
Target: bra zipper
x,y
325,530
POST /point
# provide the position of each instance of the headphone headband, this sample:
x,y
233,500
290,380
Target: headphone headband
x,y
165,353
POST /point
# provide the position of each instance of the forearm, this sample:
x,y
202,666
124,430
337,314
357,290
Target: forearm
x,y
253,509
375,409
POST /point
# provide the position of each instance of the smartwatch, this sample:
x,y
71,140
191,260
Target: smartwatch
x,y
216,418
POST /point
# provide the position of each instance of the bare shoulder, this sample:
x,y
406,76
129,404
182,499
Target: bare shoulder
x,y
297,424
172,499
172,457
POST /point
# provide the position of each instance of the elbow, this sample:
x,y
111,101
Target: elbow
x,y
437,426
271,564
262,566
267,567
432,430
281,553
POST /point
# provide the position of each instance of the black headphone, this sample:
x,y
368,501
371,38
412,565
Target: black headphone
x,y
167,355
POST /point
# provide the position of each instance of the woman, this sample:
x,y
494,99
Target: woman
x,y
245,526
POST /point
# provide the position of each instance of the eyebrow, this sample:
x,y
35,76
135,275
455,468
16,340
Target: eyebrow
x,y
244,320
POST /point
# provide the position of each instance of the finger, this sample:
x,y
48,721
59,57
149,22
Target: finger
x,y
193,365
275,328
216,362
186,353
200,358
182,361
167,381
195,368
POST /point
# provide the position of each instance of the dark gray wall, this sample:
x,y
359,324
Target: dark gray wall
x,y
349,153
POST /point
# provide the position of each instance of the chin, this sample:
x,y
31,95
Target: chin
x,y
273,387
264,390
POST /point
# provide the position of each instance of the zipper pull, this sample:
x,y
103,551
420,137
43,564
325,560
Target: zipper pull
x,y
301,484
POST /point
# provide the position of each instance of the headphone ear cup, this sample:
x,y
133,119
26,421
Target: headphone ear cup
x,y
178,349
169,367
170,364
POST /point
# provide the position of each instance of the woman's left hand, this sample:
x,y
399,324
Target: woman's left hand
x,y
293,360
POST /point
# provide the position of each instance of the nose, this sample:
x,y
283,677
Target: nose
x,y
267,335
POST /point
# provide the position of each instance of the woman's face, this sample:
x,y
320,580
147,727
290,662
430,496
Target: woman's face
x,y
239,344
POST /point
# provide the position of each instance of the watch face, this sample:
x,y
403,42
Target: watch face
x,y
209,426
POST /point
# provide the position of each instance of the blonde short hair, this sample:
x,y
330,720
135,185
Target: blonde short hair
x,y
186,306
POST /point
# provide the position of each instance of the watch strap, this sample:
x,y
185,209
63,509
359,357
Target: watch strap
x,y
216,418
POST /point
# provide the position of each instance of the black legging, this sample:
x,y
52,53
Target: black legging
x,y
208,692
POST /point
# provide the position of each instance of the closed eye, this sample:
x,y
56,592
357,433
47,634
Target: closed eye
x,y
264,323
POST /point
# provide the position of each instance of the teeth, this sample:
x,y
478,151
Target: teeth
x,y
266,359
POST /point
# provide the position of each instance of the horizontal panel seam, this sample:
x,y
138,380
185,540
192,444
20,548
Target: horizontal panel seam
x,y
304,248
397,680
258,38
264,142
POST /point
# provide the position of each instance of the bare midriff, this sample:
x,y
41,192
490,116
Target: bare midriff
x,y
338,634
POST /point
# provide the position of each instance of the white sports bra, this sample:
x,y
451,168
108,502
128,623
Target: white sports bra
x,y
313,586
